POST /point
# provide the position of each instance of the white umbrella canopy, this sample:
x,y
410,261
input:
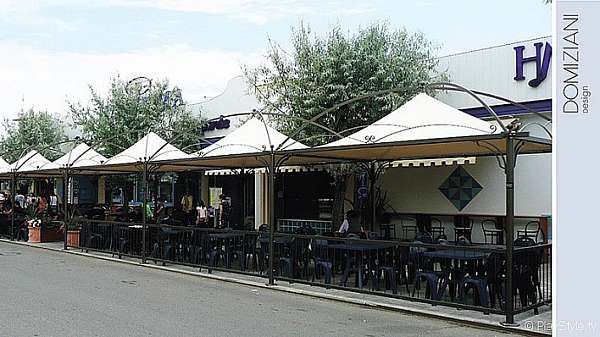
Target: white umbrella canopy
x,y
32,161
150,148
422,117
253,136
80,156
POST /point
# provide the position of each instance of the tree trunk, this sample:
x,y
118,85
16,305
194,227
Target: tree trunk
x,y
337,216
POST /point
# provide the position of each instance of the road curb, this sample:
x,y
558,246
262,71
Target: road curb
x,y
333,297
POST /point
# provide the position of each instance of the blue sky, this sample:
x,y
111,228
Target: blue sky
x,y
50,50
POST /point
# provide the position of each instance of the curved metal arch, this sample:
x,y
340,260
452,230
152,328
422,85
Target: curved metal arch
x,y
228,145
458,87
277,114
434,86
542,126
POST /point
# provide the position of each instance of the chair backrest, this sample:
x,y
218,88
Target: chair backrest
x,y
436,223
407,229
490,232
488,224
524,242
438,232
463,222
532,230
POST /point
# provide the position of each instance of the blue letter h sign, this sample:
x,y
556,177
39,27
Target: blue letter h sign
x,y
542,63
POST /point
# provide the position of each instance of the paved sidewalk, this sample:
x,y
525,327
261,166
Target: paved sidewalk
x,y
528,323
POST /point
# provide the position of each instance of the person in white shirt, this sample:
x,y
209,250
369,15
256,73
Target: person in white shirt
x,y
345,225
202,214
53,203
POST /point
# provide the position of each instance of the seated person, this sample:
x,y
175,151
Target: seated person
x,y
161,212
345,225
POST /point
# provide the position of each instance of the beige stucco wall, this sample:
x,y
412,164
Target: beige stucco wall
x,y
415,189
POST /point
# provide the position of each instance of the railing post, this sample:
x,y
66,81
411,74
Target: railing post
x,y
271,196
65,206
510,213
144,203
13,191
372,181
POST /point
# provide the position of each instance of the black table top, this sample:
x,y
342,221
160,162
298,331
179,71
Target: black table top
x,y
359,245
457,254
225,235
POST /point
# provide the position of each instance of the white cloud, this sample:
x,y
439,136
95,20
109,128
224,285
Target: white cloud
x,y
254,11
47,79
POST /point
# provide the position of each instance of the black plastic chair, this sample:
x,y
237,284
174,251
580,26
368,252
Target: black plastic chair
x,y
388,266
464,231
438,231
526,271
387,231
246,251
409,232
532,230
435,281
487,284
491,234
322,261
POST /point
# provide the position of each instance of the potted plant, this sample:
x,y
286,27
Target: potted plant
x,y
34,226
42,228
73,230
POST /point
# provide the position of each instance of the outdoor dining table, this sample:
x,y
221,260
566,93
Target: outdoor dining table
x,y
455,256
356,251
223,241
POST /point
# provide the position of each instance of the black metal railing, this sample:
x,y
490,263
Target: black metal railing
x,y
532,273
463,276
238,251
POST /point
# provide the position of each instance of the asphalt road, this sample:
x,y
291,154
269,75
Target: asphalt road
x,y
45,293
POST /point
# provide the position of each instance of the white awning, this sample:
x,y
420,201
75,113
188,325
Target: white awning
x,y
148,149
254,136
80,156
421,118
394,164
32,161
434,162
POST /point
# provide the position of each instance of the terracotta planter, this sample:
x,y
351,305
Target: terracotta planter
x,y
37,235
73,238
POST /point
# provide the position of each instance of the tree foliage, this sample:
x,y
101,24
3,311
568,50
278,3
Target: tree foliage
x,y
320,72
32,130
323,71
130,110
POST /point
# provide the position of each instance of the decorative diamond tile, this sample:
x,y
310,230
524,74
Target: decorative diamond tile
x,y
460,188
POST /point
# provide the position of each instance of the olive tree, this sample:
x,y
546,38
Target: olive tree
x,y
322,71
32,130
131,109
